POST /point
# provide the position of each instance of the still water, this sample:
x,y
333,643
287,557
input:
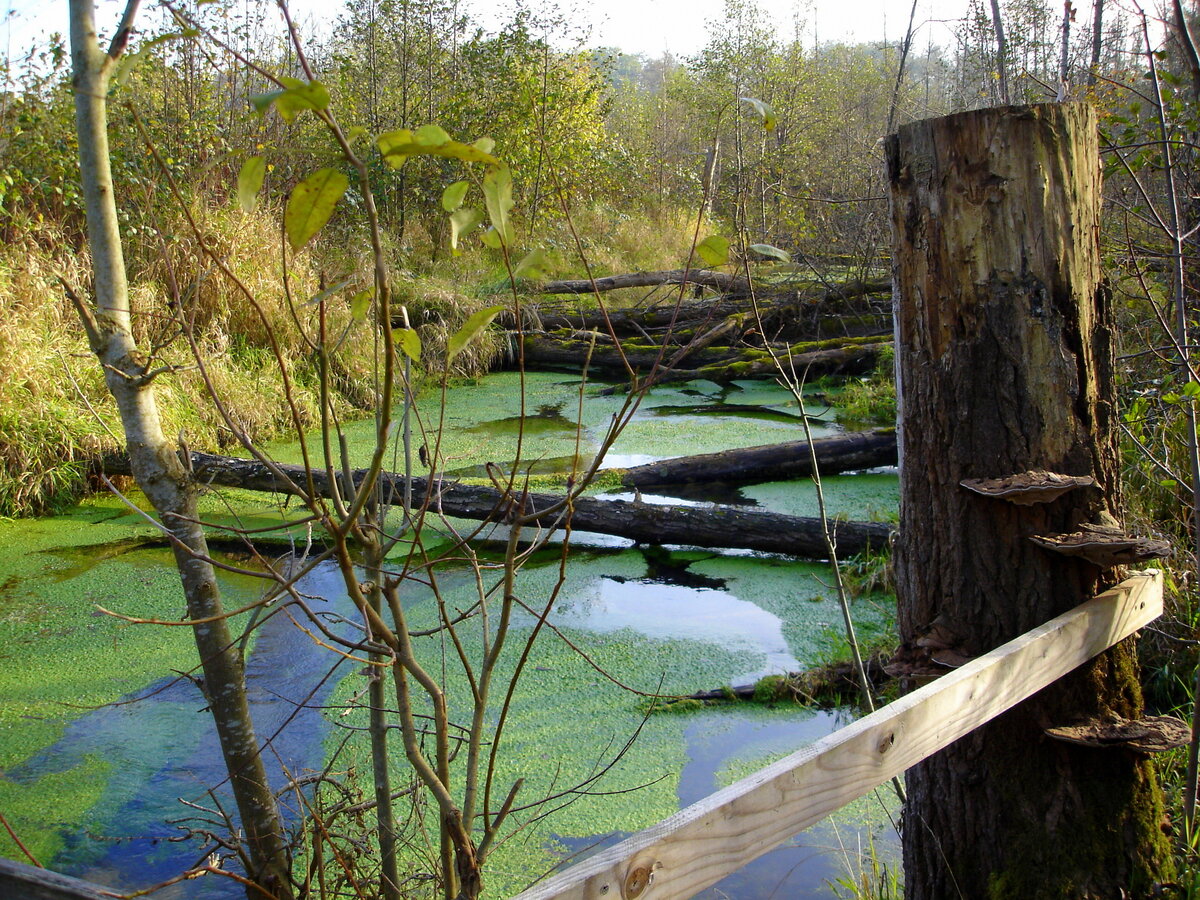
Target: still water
x,y
674,621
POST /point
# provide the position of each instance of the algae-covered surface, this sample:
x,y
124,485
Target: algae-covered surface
x,y
89,788
60,655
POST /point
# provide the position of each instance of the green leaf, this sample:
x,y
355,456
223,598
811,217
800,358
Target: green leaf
x,y
319,298
462,221
472,328
311,204
431,136
355,133
250,182
452,197
409,342
714,250
263,102
491,239
764,110
428,140
772,252
497,195
299,96
1191,389
1169,483
360,304
484,145
295,96
530,265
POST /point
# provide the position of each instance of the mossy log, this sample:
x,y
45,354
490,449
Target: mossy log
x,y
771,462
773,306
713,526
701,277
719,363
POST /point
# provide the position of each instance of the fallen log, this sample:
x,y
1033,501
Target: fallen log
x,y
715,526
701,277
772,305
825,687
840,356
771,462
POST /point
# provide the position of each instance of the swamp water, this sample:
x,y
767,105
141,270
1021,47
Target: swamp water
x,y
96,792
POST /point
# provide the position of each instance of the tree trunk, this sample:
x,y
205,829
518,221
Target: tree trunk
x,y
156,464
1005,364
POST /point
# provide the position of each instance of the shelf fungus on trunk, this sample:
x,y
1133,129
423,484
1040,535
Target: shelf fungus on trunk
x,y
1104,545
1150,734
1028,488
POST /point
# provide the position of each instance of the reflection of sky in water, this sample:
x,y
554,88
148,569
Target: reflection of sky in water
x,y
672,612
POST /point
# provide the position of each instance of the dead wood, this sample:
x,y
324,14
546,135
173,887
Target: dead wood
x,y
771,462
714,526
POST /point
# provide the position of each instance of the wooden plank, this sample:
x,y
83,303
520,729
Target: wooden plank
x,y
703,843
21,882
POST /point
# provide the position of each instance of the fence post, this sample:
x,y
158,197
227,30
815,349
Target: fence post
x,y
1005,365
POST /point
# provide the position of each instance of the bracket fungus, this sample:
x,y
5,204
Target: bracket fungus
x,y
1028,488
1103,545
1151,734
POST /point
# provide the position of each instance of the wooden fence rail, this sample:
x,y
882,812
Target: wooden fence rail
x,y
708,840
703,843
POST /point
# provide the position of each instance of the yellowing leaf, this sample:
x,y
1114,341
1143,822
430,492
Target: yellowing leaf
x,y
360,304
250,182
428,140
472,328
497,195
452,197
409,342
714,250
764,110
462,221
530,265
771,252
311,204
484,144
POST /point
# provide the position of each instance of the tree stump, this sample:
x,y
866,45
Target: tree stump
x,y
1005,365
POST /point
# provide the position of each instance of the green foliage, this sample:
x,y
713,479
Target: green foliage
x,y
250,181
470,331
714,250
870,401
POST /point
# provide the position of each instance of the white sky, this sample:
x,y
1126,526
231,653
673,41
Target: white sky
x,y
635,26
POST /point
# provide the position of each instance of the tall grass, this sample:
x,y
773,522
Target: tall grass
x,y
56,417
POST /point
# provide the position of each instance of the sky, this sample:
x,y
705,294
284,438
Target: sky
x,y
635,26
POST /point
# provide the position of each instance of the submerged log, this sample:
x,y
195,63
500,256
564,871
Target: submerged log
x,y
714,526
771,462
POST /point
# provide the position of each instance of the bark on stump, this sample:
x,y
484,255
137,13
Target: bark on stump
x,y
1005,364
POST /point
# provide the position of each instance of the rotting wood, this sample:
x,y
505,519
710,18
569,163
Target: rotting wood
x,y
700,277
708,840
772,302
770,462
1005,364
853,356
649,523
